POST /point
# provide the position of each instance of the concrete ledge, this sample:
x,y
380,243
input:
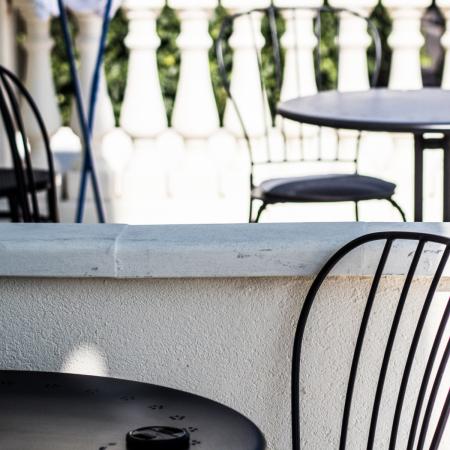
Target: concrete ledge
x,y
194,251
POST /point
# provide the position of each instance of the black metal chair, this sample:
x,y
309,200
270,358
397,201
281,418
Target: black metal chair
x,y
21,184
433,371
312,189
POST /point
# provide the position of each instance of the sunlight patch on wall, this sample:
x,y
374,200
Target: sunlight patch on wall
x,y
86,359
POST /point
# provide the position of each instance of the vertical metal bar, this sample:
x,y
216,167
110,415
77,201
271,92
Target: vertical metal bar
x,y
86,134
390,343
426,376
433,395
446,207
435,443
413,348
418,177
359,343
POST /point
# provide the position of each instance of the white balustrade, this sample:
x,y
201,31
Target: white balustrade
x,y
444,5
87,41
39,80
406,40
143,113
195,115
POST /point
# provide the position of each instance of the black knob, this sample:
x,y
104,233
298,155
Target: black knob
x,y
158,438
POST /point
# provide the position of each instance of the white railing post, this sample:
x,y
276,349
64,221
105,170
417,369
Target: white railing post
x,y
143,114
245,79
406,40
195,116
87,43
353,71
39,79
444,5
8,53
354,41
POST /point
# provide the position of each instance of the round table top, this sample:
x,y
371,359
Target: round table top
x,y
424,110
43,411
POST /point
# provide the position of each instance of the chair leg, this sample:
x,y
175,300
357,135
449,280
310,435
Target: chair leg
x,y
398,208
357,211
14,209
260,211
250,215
52,206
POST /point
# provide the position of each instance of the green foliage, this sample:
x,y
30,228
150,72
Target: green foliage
x,y
168,26
168,56
116,61
61,71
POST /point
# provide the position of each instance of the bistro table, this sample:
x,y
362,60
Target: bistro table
x,y
54,411
419,112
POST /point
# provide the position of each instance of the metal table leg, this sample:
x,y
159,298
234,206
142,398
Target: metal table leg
x,y
418,177
446,206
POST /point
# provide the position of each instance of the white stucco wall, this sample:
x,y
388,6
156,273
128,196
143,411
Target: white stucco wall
x,y
210,310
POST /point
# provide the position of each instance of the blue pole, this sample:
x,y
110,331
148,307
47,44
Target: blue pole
x,y
85,130
87,162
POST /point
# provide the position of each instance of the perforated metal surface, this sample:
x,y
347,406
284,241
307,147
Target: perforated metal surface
x,y
42,411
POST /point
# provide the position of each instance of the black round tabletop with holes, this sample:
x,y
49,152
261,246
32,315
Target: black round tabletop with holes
x,y
43,411
419,111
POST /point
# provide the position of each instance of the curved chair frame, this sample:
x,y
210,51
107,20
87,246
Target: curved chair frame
x,y
24,174
271,12
389,238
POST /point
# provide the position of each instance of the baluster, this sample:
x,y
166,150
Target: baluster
x,y
7,36
39,79
353,73
143,114
8,53
354,41
444,5
299,42
245,79
406,40
195,116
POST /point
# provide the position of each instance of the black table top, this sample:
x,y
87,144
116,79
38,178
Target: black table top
x,y
424,110
43,411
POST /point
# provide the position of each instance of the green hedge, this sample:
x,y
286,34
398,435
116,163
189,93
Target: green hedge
x,y
116,60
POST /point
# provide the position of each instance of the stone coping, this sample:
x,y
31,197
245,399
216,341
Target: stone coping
x,y
196,251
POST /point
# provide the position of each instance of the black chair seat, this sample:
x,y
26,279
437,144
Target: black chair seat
x,y
324,188
8,184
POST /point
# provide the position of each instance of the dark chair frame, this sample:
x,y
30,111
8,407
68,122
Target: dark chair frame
x,y
271,12
23,200
389,238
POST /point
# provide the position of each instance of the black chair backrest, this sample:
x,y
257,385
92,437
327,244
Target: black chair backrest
x,y
270,92
432,379
12,91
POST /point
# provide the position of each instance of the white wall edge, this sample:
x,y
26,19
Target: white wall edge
x,y
192,251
